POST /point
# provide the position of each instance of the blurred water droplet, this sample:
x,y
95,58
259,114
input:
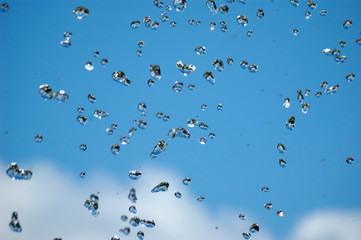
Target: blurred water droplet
x,y
150,83
218,65
134,175
242,20
294,3
281,148
16,173
82,175
211,5
203,126
280,213
347,24
185,69
115,149
282,162
109,131
192,122
307,92
96,53
92,205
230,61
134,221
332,90
265,189
61,96
318,94
178,195
311,4
336,52
115,237
160,147
342,43
242,216
161,187
308,15
142,124
253,68
200,50
244,64
82,120
66,43
178,86
159,115
212,135
100,114
124,140
164,18
249,33
81,12
147,223
132,130
173,24
349,160
140,235
132,210
220,107
324,85
200,198
305,107
323,13
202,141
132,193
268,206
45,92
209,77
180,5
158,3
286,103
198,23
223,9
124,218
154,25
142,107
246,235
290,123
191,21
4,7
135,24
191,87
260,13
300,96
204,107
254,228
358,41
350,77
295,32
147,21
212,26
186,181
125,231
104,62
83,147
14,224
38,138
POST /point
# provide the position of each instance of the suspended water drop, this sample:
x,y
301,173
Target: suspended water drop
x,y
253,68
308,15
333,89
164,18
38,138
202,141
218,65
173,24
115,149
178,86
104,62
290,123
311,4
115,237
91,98
135,24
211,5
223,9
45,92
244,64
132,210
154,25
294,3
109,131
242,217
224,28
203,126
16,173
260,13
158,3
82,120
242,20
114,126
327,51
82,175
180,5
160,147
124,140
100,114
185,69
166,118
14,224
323,13
249,33
125,231
83,147
191,87
347,24
336,52
268,206
265,189
61,96
230,61
358,41
132,195
4,7
286,103
300,96
161,187
201,198
192,122
200,50
66,43
209,77
134,175
281,148
191,21
282,162
147,21
307,92
318,94
254,228
124,218
142,107
132,130
81,12
92,205
134,221
246,235
342,43
140,235
204,107
305,107
89,66
96,53
349,160
220,107
324,85
159,115
155,71
295,32
350,77
142,124
212,26
178,195
280,213
147,223
211,135
150,83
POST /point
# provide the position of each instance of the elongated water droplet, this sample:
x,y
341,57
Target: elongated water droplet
x,y
185,69
161,187
134,175
209,77
186,181
305,107
242,216
132,195
294,3
140,235
254,228
14,224
323,13
178,195
202,141
211,5
135,24
100,114
223,9
218,65
246,235
281,148
16,173
155,71
268,206
200,198
290,123
282,162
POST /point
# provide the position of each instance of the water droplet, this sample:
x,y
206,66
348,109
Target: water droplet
x,y
132,193
142,107
125,231
134,175
81,12
38,138
186,181
290,123
311,5
254,228
173,24
142,124
14,224
132,131
324,85
307,92
332,90
114,126
45,91
323,13
61,96
286,103
185,69
178,195
342,59
154,25
104,62
246,235
253,68
212,26
260,13
66,43
327,51
16,173
242,20
141,44
200,198
350,77
115,149
191,21
150,83
115,237
244,64
295,32
349,160
159,115
294,3
202,141
209,77
203,126
178,86
134,221
223,9
300,96
218,65
164,18
249,33
282,162
242,217
212,135
230,61
89,66
124,140
155,71
358,41
140,235
305,107
82,175
147,223
124,218
265,189
132,210
268,206
211,5
4,7
92,205
109,131
342,43
82,120
91,98
308,15
192,122
318,94
96,53
83,147
100,114
220,107
158,3
200,50
347,24
281,213
120,77
147,21
180,5
191,87
281,148
204,107
135,24
161,187
160,147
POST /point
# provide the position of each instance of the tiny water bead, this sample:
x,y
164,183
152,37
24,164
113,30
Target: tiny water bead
x,y
265,189
260,13
96,53
202,141
282,162
14,224
294,3
305,107
308,15
290,123
281,148
286,103
347,24
323,12
230,61
200,198
135,24
142,107
155,71
124,218
178,86
311,4
186,181
280,213
38,138
109,131
342,43
349,160
295,32
132,195
89,66
104,62
204,107
242,20
268,206
91,98
82,175
83,147
81,12
244,64
134,175
178,195
242,216
4,7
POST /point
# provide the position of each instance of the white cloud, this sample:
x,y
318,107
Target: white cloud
x,y
51,205
329,225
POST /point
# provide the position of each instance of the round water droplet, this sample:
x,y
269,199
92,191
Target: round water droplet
x,y
268,206
155,71
45,92
308,15
327,51
82,120
150,83
260,13
347,24
141,44
89,66
342,43
282,162
96,53
349,160
198,23
244,64
81,12
124,218
307,92
204,107
4,7
178,195
191,21
164,18
38,138
139,52
61,96
82,175
159,115
200,50
180,5
242,217
142,107
358,41
135,24
173,24
294,3
218,65
280,213
323,13
114,126
242,20
115,149
305,107
186,181
202,141
246,235
290,123
140,234
191,87
142,124
295,32
104,62
83,147
212,135
177,87
253,68
324,85
134,175
220,107
132,210
166,118
109,131
249,33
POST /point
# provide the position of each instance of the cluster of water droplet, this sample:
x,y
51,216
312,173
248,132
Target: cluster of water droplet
x,y
47,93
16,173
92,205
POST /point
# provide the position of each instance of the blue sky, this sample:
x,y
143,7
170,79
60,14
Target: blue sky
x,y
230,170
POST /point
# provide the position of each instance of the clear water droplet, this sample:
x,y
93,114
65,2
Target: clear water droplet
x,y
132,194
142,124
191,87
242,20
342,43
287,103
132,131
132,210
134,175
140,235
249,33
311,4
115,237
89,66
211,5
134,221
308,15
260,13
294,3
82,175
318,94
281,148
104,62
178,195
142,107
141,44
147,223
38,138
204,107
218,65
191,21
124,140
350,77
161,187
290,123
125,231
92,205
244,64
323,13
109,131
203,126
61,96
358,41
242,216
253,68
164,18
282,162
14,224
83,147
209,77
307,92
230,61
91,98
295,32
180,5
4,7
186,181
265,189
280,213
160,147
300,96
124,218
212,135
220,107
16,173
212,26
115,149
324,85
305,107
66,43
223,9
135,24
178,86
150,83
82,120
202,141
347,24
155,71
246,235
268,206
100,114
96,53
192,122
159,115
200,198
327,51
173,24
254,228
349,160
81,12
45,92
185,69
200,50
